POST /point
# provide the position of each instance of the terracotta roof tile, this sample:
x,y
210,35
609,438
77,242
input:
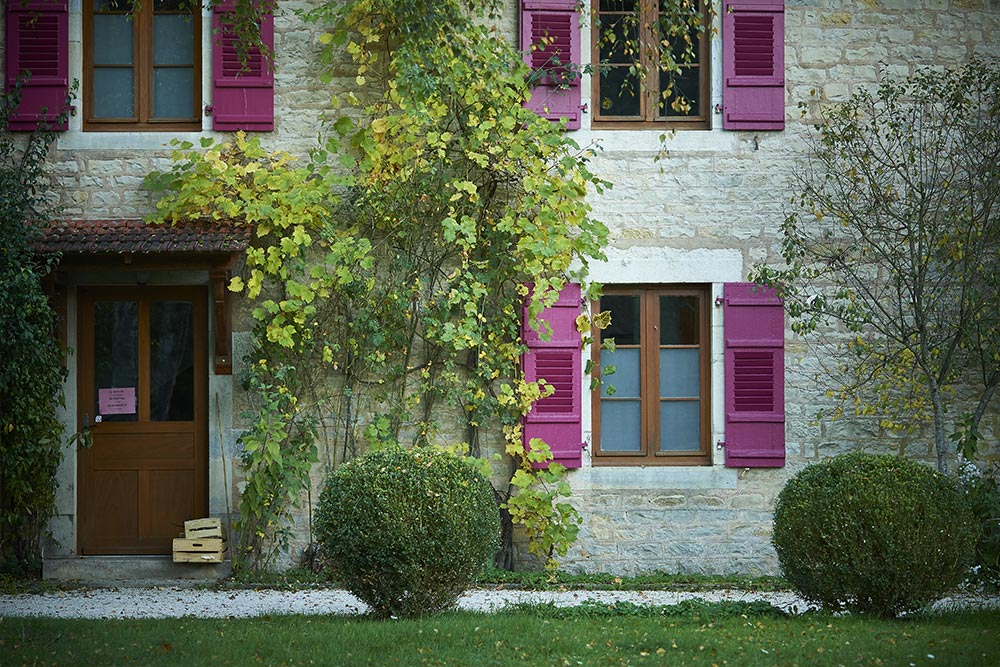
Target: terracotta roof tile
x,y
137,237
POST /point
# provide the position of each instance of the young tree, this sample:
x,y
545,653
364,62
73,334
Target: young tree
x,y
896,238
31,370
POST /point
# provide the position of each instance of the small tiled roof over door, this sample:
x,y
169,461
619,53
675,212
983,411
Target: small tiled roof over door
x,y
135,237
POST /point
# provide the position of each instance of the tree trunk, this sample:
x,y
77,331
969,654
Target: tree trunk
x,y
940,442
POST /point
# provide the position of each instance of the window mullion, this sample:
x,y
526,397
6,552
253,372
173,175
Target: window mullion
x,y
651,374
144,58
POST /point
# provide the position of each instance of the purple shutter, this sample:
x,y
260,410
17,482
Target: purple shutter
x,y
754,332
38,42
242,96
553,26
556,418
753,64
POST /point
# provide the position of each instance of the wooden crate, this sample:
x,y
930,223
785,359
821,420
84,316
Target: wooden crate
x,y
199,550
203,528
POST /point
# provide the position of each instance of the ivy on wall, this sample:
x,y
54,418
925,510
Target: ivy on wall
x,y
387,274
31,373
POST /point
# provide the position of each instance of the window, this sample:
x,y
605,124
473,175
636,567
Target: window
x,y
633,84
655,408
142,65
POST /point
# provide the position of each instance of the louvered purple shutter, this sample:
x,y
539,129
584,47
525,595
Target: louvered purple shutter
x,y
38,42
553,27
556,418
753,65
242,95
754,332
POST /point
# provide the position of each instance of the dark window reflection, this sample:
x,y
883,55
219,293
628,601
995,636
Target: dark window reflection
x,y
625,324
116,359
171,361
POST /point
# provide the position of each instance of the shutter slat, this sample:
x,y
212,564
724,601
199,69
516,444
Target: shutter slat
x,y
556,418
552,27
753,64
242,92
37,41
753,330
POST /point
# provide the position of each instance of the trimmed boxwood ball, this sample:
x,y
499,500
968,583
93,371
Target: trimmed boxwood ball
x,y
873,534
407,530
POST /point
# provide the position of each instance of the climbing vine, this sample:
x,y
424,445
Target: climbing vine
x,y
31,371
388,273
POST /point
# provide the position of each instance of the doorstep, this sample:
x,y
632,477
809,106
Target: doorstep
x,y
127,571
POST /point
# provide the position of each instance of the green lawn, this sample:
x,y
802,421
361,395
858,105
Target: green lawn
x,y
520,637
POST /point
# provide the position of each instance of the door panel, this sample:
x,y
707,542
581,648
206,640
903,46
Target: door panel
x,y
142,383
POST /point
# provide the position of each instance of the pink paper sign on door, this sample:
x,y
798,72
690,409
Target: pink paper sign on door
x,y
116,401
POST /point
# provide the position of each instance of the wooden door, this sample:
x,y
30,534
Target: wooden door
x,y
142,385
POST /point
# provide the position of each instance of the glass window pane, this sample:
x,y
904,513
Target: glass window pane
x,y
619,92
680,373
680,426
114,95
686,87
679,323
171,361
113,40
621,426
625,325
173,5
617,5
116,360
618,40
112,5
627,376
173,90
173,40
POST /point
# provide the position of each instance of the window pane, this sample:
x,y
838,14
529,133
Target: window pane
x,y
618,40
171,361
173,90
680,426
680,373
627,376
113,40
625,325
617,6
679,320
621,426
112,5
619,92
116,360
173,5
114,95
173,40
686,87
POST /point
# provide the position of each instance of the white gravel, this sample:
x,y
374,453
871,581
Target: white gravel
x,y
164,602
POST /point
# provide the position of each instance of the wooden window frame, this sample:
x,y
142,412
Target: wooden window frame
x,y
142,72
650,382
650,96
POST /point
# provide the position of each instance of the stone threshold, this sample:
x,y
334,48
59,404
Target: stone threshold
x,y
133,571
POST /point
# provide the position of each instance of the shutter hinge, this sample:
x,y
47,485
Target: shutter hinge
x,y
719,301
718,108
209,110
721,444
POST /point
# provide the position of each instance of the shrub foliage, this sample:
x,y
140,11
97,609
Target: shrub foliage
x,y
873,533
407,530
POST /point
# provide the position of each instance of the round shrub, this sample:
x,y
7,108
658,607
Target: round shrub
x,y
873,533
407,530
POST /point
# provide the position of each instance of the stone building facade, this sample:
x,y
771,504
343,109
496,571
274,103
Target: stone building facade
x,y
694,209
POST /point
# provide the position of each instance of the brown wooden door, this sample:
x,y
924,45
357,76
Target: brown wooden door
x,y
142,384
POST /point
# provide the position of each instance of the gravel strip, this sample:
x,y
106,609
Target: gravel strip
x,y
166,602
